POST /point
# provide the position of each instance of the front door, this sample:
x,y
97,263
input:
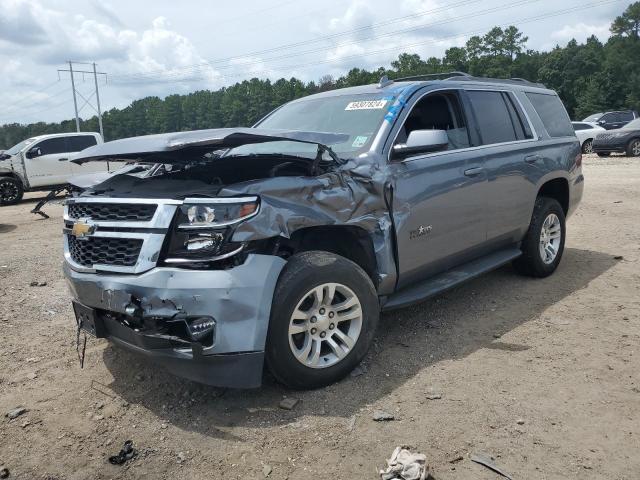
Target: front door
x,y
47,162
439,198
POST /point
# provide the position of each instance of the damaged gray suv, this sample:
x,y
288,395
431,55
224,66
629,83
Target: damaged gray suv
x,y
279,245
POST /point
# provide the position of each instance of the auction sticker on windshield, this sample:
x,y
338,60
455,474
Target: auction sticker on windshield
x,y
366,105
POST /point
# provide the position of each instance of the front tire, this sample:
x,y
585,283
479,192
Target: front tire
x,y
587,146
543,244
323,320
11,191
633,149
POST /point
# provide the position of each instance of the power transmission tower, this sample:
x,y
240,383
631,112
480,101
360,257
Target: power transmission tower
x,y
75,92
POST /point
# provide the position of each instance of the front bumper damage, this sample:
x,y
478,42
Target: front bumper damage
x,y
134,311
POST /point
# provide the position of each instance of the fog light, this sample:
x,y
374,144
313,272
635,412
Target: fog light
x,y
200,328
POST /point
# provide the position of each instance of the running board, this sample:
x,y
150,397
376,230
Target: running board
x,y
450,278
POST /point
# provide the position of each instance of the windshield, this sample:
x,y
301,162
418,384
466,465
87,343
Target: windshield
x,y
358,116
635,124
16,148
592,118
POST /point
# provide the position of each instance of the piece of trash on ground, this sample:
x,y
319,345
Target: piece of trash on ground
x,y
382,416
489,462
405,465
126,453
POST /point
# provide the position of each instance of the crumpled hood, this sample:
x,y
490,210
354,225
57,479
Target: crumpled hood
x,y
167,147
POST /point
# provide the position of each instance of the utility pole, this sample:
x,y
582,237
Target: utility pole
x,y
77,110
75,102
95,79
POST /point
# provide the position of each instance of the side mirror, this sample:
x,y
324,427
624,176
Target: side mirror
x,y
602,122
422,141
4,156
34,152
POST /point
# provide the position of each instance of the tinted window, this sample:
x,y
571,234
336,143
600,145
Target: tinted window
x,y
493,117
52,146
581,126
626,116
80,142
552,113
517,117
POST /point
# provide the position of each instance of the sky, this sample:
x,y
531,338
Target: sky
x,y
165,47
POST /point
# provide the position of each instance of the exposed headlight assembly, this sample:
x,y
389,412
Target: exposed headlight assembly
x,y
205,226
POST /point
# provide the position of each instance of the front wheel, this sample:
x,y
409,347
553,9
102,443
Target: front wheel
x,y
11,191
587,146
323,319
543,244
633,149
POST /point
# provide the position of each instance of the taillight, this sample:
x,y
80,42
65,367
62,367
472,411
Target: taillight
x,y
579,160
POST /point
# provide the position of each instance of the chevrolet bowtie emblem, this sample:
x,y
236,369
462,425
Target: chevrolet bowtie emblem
x,y
82,229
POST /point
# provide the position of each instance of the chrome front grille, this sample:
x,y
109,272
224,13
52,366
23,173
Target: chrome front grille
x,y
116,234
121,252
117,212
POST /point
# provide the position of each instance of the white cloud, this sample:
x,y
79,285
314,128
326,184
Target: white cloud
x,y
582,31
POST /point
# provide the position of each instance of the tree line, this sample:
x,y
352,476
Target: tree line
x,y
589,77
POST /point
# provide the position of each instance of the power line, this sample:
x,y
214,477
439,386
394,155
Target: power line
x,y
310,41
31,95
171,77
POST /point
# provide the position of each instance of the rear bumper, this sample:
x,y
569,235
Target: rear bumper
x,y
238,299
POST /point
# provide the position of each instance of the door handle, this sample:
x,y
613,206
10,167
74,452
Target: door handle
x,y
63,159
532,158
472,172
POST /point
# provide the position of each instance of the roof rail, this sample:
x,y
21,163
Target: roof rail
x,y
427,76
456,76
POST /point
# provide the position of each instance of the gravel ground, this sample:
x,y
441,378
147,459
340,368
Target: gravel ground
x,y
541,374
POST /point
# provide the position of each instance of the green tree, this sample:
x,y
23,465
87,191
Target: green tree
x,y
628,24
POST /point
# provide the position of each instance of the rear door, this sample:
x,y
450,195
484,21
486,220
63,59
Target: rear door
x,y
77,143
49,163
439,198
509,152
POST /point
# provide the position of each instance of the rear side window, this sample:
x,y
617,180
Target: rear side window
x,y
552,113
494,117
80,142
581,126
626,116
52,146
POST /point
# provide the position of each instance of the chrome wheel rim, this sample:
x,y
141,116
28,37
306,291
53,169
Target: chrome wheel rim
x,y
325,325
550,238
635,148
8,192
588,147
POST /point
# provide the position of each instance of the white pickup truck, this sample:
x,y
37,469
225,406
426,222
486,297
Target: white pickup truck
x,y
42,163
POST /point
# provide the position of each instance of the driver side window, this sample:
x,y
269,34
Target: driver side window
x,y
438,111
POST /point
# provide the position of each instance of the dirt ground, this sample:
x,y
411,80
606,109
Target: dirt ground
x,y
541,374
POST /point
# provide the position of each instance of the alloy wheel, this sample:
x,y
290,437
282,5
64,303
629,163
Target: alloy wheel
x,y
8,192
325,325
550,238
588,147
635,148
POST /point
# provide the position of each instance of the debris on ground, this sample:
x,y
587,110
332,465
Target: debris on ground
x,y
433,396
359,370
181,457
288,403
405,465
520,421
16,412
456,459
126,453
36,283
266,470
4,472
382,416
489,462
618,257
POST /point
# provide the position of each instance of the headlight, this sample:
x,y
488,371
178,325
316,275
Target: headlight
x,y
205,226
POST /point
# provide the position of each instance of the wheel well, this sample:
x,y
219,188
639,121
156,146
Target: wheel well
x,y
557,188
350,242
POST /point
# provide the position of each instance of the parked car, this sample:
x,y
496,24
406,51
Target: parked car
x,y
42,163
625,140
586,132
282,242
612,120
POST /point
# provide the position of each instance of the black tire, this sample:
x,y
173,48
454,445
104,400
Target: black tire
x,y
633,149
604,154
303,272
11,191
587,146
531,262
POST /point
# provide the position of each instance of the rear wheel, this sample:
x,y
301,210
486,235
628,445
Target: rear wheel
x,y
543,244
324,316
11,191
633,149
604,154
587,146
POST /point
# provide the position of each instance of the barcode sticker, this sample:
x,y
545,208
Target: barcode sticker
x,y
366,105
